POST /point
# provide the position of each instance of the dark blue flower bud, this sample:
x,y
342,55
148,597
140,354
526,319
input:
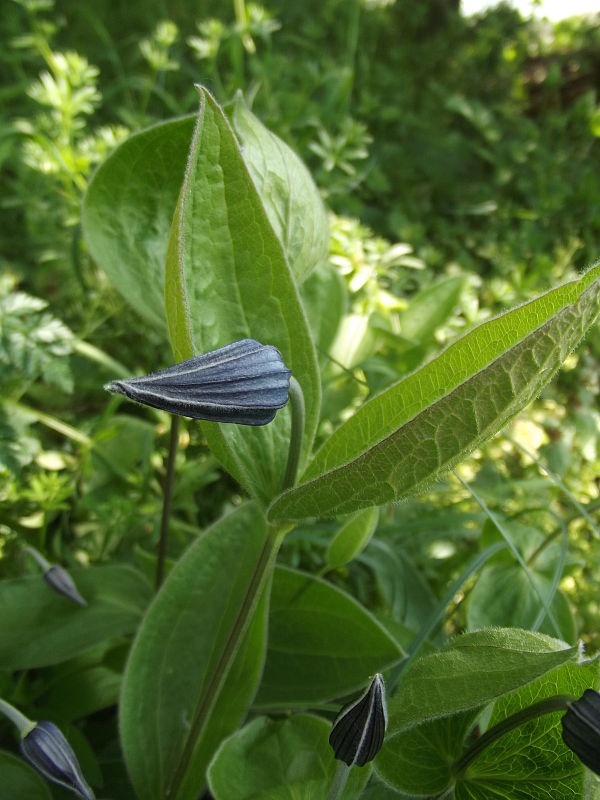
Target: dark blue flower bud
x,y
359,729
56,577
581,729
59,579
48,751
244,382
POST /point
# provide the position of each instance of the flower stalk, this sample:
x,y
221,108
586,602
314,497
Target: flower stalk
x,y
547,706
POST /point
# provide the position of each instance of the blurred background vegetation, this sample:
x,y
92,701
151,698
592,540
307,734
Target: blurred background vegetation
x,y
460,158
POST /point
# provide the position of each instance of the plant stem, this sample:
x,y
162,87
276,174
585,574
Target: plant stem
x,y
274,537
167,497
23,724
548,706
339,781
296,434
38,557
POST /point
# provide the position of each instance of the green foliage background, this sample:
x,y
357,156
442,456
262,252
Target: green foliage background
x,y
460,159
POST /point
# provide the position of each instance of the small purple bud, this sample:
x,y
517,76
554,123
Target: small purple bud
x,y
59,579
581,729
359,729
244,382
48,751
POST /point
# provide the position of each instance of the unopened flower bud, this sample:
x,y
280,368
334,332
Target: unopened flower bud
x,y
48,751
581,729
59,579
244,382
359,729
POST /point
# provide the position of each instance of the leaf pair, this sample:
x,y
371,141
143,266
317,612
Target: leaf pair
x,y
246,229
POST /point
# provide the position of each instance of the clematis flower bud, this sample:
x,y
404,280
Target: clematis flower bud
x,y
48,751
244,382
581,729
359,729
59,579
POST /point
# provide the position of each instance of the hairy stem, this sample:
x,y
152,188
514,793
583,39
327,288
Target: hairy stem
x,y
262,570
297,433
339,781
23,724
42,562
547,706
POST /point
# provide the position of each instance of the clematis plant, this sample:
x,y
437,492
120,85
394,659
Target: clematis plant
x,y
239,260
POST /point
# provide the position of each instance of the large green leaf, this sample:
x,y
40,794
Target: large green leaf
x,y
419,762
227,278
400,441
174,709
20,781
40,627
473,670
290,197
285,760
531,762
322,643
75,695
127,212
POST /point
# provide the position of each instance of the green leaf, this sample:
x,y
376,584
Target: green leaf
x,y
431,308
21,781
289,195
285,760
401,440
531,761
419,761
473,670
322,643
127,212
75,695
40,627
227,278
173,710
503,595
324,296
352,538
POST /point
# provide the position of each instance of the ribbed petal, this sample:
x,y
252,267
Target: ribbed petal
x,y
359,730
59,579
581,729
48,751
244,382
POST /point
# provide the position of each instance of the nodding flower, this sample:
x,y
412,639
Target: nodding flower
x,y
48,751
359,729
57,577
581,729
244,382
